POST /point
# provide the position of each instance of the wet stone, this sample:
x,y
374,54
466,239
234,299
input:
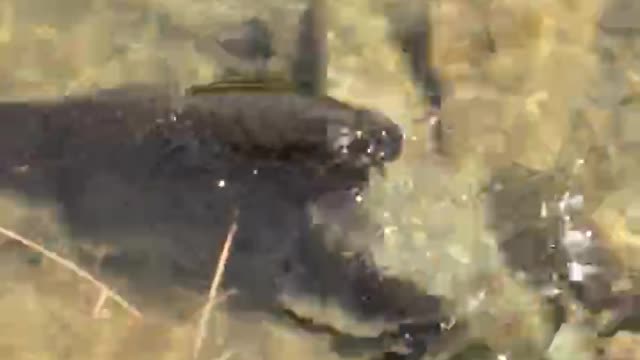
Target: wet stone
x,y
621,15
629,124
571,342
623,346
633,217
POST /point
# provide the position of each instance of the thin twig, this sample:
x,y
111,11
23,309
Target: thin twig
x,y
213,290
73,267
98,307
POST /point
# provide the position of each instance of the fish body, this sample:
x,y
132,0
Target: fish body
x,y
250,124
284,123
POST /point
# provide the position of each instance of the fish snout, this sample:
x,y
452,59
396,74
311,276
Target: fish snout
x,y
385,137
372,140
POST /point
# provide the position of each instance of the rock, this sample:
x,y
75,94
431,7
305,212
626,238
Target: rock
x,y
621,15
624,245
629,124
623,346
571,342
632,214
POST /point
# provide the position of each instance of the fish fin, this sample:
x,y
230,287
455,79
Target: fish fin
x,y
242,85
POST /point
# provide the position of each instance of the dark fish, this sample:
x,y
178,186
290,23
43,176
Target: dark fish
x,y
261,119
253,124
284,123
287,119
255,119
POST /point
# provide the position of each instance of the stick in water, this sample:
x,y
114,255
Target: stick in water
x,y
213,290
73,267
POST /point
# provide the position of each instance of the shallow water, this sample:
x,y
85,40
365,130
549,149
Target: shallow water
x,y
540,100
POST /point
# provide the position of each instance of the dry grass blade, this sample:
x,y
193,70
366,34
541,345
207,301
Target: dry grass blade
x,y
213,290
73,267
98,307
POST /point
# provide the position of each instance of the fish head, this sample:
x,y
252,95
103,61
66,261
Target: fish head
x,y
371,139
385,138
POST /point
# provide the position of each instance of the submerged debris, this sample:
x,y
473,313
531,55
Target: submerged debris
x,y
562,252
